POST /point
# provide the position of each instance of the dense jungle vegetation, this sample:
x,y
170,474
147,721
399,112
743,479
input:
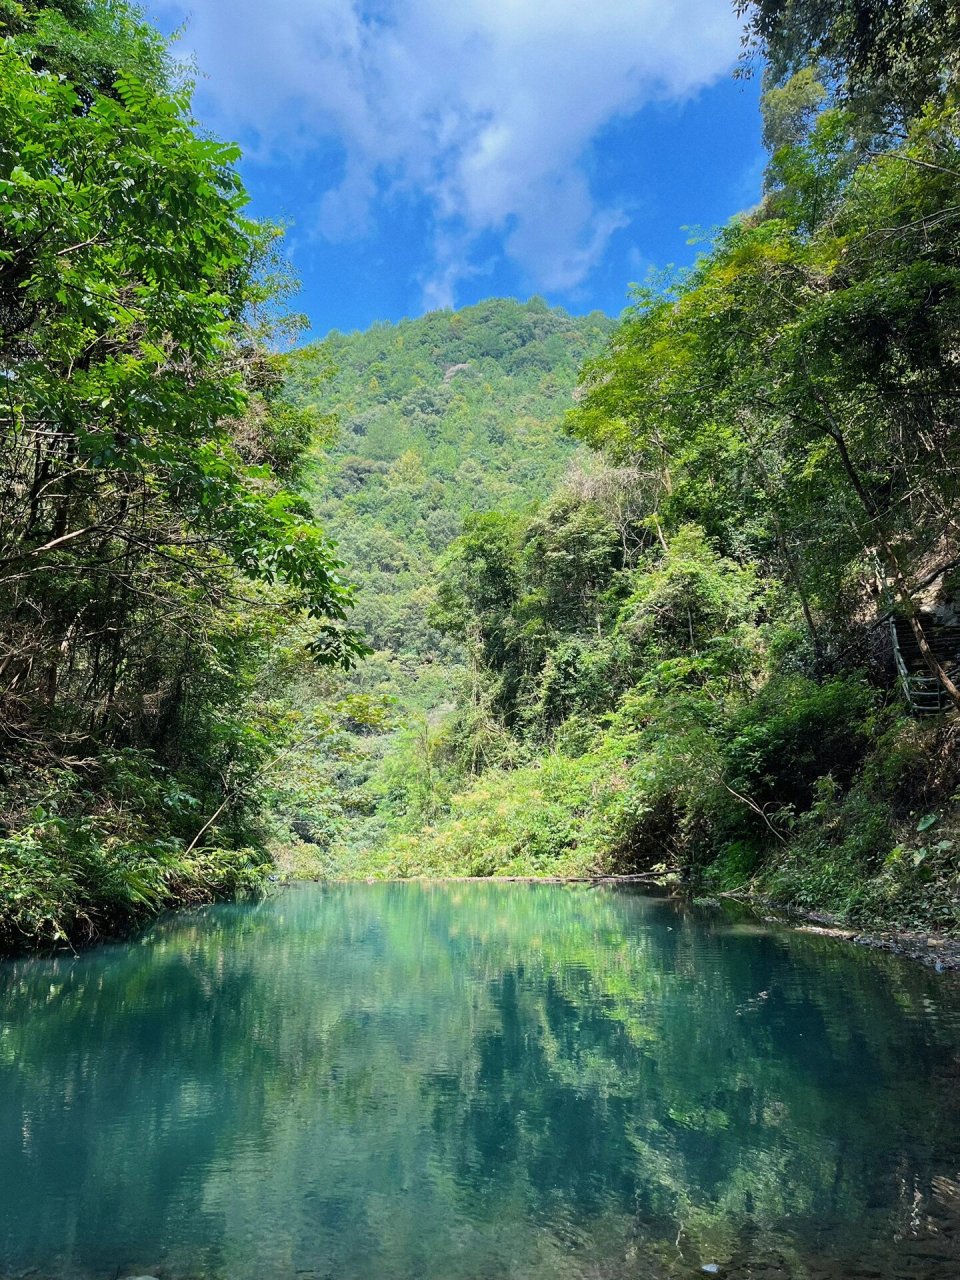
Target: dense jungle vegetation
x,y
152,541
680,657
436,419
630,590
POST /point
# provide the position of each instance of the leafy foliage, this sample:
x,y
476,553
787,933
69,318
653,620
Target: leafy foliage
x,y
148,552
887,57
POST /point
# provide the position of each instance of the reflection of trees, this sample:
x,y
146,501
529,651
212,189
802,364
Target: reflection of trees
x,y
465,1080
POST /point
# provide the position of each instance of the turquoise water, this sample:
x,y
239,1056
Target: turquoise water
x,y
472,1082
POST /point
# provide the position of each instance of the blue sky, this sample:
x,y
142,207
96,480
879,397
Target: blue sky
x,y
432,153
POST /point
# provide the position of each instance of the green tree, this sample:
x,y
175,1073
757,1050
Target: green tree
x,y
888,58
147,549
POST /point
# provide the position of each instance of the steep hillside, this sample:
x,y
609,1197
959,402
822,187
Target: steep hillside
x,y
430,420
437,417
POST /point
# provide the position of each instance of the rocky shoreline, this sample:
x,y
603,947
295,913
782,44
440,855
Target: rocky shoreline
x,y
937,951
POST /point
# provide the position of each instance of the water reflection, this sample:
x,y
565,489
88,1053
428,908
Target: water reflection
x,y
462,1082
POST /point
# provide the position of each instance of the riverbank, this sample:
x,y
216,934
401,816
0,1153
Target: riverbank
x,y
105,891
76,930
939,951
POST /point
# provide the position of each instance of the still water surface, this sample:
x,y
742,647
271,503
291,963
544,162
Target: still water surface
x,y
477,1082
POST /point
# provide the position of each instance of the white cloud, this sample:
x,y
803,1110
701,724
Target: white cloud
x,y
486,108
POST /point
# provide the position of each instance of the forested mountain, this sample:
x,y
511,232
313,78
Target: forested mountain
x,y
436,418
430,421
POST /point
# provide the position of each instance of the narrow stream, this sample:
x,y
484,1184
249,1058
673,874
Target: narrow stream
x,y
477,1082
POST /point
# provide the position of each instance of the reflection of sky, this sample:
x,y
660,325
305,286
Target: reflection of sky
x,y
472,1081
431,154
